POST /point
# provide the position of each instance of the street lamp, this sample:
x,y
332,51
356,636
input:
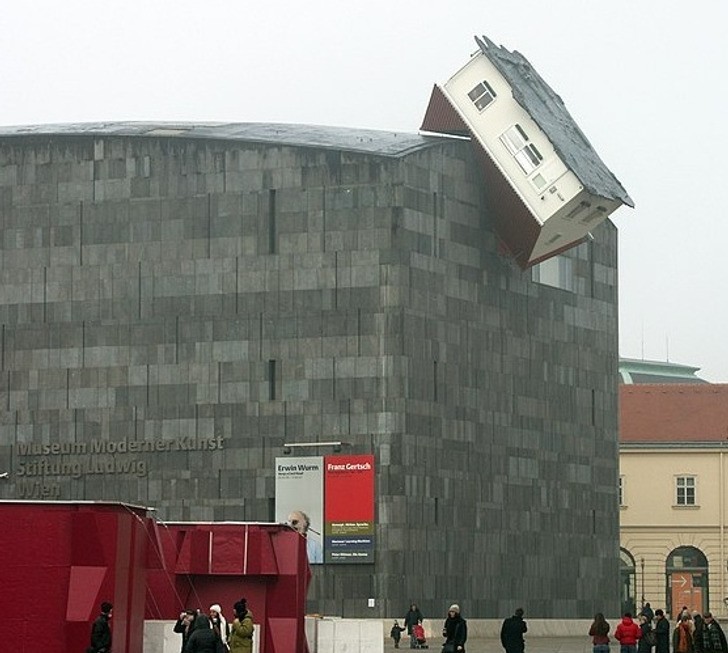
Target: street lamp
x,y
642,566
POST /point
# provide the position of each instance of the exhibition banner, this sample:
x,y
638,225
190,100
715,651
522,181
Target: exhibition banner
x,y
300,500
329,500
349,509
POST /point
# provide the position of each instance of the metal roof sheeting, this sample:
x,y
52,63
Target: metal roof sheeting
x,y
382,143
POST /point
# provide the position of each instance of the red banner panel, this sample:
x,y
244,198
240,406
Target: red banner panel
x,y
349,509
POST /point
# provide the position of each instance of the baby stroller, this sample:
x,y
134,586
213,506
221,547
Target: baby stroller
x,y
418,637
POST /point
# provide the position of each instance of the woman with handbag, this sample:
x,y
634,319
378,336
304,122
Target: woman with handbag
x,y
455,631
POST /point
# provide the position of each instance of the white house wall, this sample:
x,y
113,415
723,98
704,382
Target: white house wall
x,y
490,123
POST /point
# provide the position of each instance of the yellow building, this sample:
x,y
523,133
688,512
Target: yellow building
x,y
673,493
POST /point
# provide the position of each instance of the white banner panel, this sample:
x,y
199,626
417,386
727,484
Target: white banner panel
x,y
300,500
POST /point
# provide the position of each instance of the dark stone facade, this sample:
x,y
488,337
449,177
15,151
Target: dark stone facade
x,y
173,310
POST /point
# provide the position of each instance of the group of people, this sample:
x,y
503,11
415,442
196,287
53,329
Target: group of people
x,y
692,633
413,625
211,633
455,631
201,633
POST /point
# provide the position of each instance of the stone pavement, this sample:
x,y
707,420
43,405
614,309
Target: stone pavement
x,y
492,645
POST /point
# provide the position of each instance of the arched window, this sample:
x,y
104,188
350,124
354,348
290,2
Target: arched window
x,y
627,581
686,574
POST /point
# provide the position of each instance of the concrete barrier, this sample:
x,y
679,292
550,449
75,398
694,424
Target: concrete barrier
x,y
334,635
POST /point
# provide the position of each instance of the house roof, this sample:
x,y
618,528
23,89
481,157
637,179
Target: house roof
x,y
339,138
548,111
673,414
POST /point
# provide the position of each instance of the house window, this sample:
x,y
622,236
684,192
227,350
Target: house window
x,y
520,146
620,490
557,272
482,95
685,487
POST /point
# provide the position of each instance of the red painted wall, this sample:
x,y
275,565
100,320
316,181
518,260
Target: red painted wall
x,y
60,561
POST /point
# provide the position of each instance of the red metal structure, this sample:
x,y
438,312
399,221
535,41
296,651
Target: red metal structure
x,y
60,561
207,563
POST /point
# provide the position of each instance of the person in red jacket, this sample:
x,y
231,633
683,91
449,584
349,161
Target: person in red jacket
x,y
627,633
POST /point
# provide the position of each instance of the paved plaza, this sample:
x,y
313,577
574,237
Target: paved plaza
x,y
492,645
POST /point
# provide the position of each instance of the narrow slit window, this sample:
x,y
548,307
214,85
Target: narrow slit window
x,y
272,380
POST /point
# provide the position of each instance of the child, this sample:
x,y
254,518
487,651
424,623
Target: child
x,y
396,633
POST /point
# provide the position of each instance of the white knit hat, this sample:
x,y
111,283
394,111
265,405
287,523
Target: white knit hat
x,y
454,608
216,608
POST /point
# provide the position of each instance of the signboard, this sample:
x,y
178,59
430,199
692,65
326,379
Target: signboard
x,y
329,500
299,500
349,509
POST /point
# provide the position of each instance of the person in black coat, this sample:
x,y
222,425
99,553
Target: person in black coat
x,y
662,632
203,638
699,626
646,641
412,618
101,630
455,629
185,625
512,632
714,640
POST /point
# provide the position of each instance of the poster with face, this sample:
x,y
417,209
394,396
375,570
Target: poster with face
x,y
300,499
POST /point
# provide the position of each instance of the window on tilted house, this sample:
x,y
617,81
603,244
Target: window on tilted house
x,y
482,95
520,146
685,486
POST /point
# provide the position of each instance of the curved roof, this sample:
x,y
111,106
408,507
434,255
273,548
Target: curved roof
x,y
339,138
640,371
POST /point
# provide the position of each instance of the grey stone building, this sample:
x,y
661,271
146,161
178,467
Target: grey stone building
x,y
178,301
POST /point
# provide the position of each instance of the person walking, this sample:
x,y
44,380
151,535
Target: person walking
x,y
411,619
512,631
101,630
713,637
242,628
627,634
396,633
455,631
599,632
662,632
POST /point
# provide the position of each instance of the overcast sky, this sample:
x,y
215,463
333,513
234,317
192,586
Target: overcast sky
x,y
644,80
